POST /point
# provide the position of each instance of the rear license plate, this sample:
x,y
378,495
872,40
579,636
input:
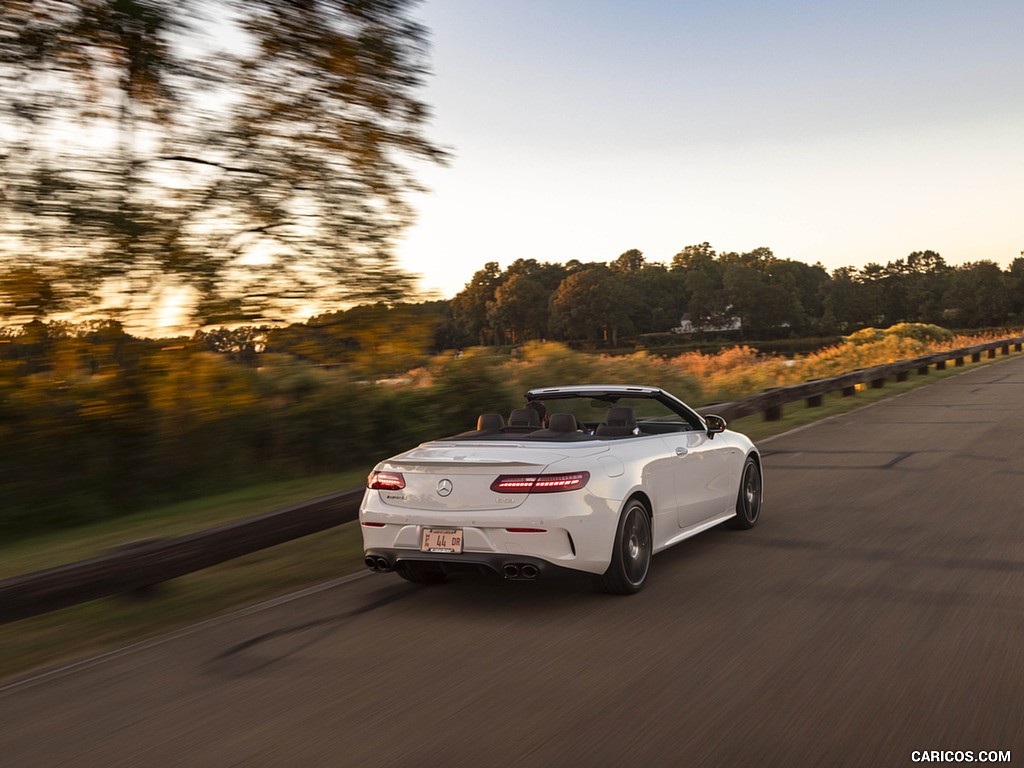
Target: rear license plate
x,y
442,540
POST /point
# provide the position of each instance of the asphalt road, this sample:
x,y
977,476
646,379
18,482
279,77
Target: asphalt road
x,y
876,610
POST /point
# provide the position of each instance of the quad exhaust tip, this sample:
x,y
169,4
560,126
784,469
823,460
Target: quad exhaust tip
x,y
377,564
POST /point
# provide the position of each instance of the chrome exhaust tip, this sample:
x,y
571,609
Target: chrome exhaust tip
x,y
383,565
371,563
511,571
528,571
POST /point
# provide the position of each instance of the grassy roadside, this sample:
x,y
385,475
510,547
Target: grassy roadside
x,y
167,521
92,627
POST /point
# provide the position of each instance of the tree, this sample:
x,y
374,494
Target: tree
x,y
1015,286
928,283
521,306
658,302
700,271
764,306
141,153
806,283
977,294
469,306
841,302
628,263
549,275
589,305
29,292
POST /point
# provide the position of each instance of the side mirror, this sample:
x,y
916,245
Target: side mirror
x,y
716,424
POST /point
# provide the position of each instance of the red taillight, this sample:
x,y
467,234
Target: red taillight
x,y
385,481
522,530
568,481
374,525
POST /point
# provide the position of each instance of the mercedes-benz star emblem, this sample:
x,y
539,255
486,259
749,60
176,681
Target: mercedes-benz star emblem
x,y
444,487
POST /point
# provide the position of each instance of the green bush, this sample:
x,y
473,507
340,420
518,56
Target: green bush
x,y
865,336
920,331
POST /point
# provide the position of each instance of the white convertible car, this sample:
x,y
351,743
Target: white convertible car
x,y
618,474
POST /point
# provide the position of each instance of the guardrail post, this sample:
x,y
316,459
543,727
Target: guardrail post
x,y
960,362
814,401
991,353
901,376
878,383
1016,347
1006,349
940,366
850,391
773,414
922,371
976,357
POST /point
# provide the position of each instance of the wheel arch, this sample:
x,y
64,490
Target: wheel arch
x,y
644,499
756,456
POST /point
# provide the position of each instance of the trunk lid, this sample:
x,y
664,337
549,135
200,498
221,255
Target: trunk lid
x,y
469,468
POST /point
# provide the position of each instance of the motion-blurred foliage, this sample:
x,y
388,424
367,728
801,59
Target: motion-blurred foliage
x,y
96,423
241,156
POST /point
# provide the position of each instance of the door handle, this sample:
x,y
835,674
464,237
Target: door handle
x,y
681,451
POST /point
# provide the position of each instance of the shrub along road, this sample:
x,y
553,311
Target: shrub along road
x,y
874,612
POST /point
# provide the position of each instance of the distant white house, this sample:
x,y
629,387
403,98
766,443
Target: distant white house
x,y
686,325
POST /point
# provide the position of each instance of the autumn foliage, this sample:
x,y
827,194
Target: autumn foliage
x,y
96,423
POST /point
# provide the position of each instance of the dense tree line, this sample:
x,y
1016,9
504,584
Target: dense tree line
x,y
771,297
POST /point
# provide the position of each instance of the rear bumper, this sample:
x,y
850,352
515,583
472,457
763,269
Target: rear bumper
x,y
509,566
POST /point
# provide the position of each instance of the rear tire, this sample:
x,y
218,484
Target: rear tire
x,y
631,553
420,575
748,502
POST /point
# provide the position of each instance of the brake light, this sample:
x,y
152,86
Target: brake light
x,y
568,481
385,481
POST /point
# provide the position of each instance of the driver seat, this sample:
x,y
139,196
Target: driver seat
x,y
618,422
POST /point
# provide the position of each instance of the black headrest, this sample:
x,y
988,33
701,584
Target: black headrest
x,y
562,422
620,416
618,422
489,421
524,417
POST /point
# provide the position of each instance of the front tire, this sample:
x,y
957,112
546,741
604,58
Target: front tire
x,y
748,502
631,553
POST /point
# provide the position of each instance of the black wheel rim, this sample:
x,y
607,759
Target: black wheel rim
x,y
636,545
751,493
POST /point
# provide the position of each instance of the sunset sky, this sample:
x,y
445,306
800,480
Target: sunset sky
x,y
828,131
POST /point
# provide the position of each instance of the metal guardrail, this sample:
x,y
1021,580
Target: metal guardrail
x,y
770,401
136,567
144,564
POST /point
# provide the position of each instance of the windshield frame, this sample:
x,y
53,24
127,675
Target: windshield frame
x,y
613,393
